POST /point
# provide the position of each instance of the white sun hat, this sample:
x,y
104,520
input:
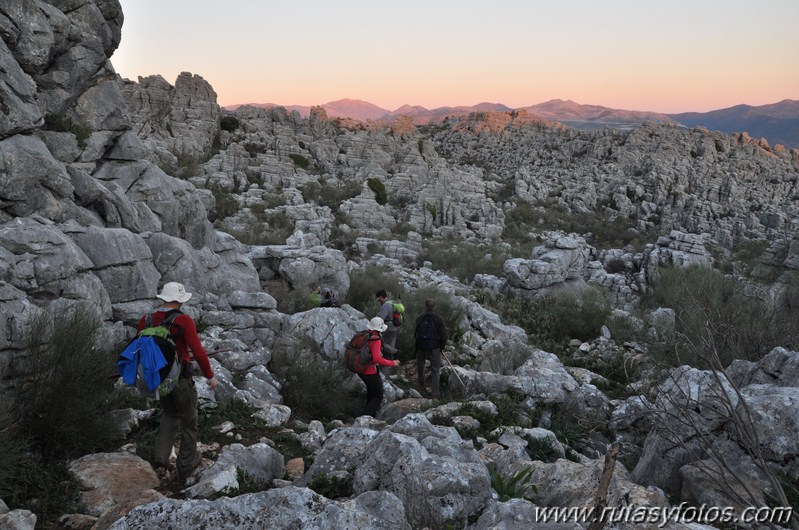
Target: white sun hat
x,y
174,292
377,324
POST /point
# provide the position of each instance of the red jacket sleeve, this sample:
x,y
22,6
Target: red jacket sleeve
x,y
192,340
376,347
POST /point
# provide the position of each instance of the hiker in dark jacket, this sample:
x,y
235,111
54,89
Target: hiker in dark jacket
x,y
371,376
324,297
431,337
180,405
329,298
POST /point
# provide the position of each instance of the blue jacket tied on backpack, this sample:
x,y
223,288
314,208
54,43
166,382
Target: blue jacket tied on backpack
x,y
146,351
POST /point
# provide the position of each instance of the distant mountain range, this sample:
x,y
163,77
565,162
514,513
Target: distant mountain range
x,y
778,123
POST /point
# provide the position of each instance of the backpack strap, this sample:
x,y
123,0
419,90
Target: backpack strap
x,y
169,321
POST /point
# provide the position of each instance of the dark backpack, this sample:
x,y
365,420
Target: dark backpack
x,y
426,334
150,362
357,356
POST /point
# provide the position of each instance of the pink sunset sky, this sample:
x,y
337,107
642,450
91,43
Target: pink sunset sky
x,y
659,55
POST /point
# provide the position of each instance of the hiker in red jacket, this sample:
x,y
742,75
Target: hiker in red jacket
x,y
371,376
180,405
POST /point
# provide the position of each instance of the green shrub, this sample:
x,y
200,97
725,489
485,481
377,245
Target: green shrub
x,y
225,203
61,123
289,301
619,372
254,148
432,210
463,260
253,233
273,200
247,484
599,229
281,226
313,387
299,160
47,489
541,449
714,315
332,486
520,221
509,412
258,211
553,320
365,282
568,430
235,410
330,195
188,166
379,189
341,238
66,389
513,486
506,358
15,459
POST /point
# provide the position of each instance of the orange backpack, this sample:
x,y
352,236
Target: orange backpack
x,y
357,356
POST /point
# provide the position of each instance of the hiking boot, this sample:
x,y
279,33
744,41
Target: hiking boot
x,y
186,472
201,464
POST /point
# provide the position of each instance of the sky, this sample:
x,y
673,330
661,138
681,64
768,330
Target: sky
x,y
665,56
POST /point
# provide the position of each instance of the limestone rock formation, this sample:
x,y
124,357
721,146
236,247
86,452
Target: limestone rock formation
x,y
267,204
178,124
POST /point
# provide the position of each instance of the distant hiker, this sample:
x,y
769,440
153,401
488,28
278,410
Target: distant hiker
x,y
330,298
431,337
371,376
386,313
180,405
325,297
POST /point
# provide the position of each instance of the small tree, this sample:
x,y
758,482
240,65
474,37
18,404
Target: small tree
x,y
681,420
379,189
67,388
313,387
741,326
364,282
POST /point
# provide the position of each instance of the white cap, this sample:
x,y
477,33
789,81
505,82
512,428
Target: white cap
x,y
174,292
377,324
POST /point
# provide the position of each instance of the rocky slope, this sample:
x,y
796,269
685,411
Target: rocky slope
x,y
91,216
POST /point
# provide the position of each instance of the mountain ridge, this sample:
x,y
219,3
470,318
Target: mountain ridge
x,y
777,123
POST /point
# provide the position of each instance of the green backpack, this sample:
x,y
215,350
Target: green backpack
x,y
397,312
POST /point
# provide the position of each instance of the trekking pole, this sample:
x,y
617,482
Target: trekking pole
x,y
463,386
